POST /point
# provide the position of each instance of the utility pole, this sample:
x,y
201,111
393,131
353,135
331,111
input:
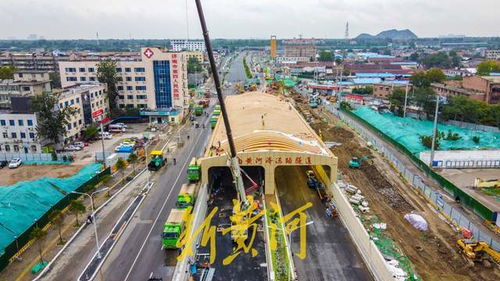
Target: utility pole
x,y
235,167
406,101
434,131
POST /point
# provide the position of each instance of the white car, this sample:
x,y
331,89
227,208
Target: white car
x,y
15,162
72,148
107,135
121,125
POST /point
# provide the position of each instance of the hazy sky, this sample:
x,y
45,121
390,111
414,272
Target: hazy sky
x,y
61,19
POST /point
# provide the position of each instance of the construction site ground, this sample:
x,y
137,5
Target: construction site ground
x,y
33,172
433,254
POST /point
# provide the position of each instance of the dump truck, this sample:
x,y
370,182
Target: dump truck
x,y
217,107
194,171
216,112
186,196
213,121
198,110
172,229
157,161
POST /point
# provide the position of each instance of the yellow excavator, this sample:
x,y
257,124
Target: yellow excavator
x,y
478,251
482,183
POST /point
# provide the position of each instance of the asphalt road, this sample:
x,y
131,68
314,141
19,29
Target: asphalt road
x,y
236,73
138,252
331,254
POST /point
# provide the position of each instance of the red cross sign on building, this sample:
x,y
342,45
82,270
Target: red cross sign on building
x,y
148,53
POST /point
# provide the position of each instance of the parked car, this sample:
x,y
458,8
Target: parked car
x,y
123,125
72,148
107,135
15,162
3,163
81,144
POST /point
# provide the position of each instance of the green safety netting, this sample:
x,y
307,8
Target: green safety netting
x,y
407,131
22,204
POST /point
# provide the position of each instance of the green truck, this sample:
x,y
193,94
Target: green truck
x,y
172,229
213,121
198,110
217,107
186,196
216,112
194,171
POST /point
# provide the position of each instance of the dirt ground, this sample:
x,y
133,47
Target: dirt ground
x,y
33,172
434,255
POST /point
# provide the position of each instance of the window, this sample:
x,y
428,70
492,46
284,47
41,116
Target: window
x,y
20,75
80,122
13,135
83,79
65,103
23,135
69,126
118,69
81,69
128,78
128,69
140,88
5,135
26,88
33,148
70,78
7,147
30,122
91,69
119,79
141,97
60,105
20,122
91,78
70,69
74,124
130,88
77,100
120,88
16,148
122,106
121,97
140,78
130,97
91,95
141,105
139,69
2,122
12,122
32,135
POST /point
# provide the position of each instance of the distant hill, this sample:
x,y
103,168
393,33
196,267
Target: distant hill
x,y
403,34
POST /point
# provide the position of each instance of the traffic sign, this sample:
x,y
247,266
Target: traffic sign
x,y
97,113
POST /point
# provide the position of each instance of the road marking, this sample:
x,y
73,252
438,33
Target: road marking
x,y
161,210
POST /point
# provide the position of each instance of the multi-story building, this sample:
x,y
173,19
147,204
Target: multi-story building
x,y
198,55
156,83
490,85
274,46
384,90
492,54
301,48
25,83
449,90
187,45
30,61
18,132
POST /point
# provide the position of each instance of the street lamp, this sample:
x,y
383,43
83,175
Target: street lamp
x,y
94,221
434,131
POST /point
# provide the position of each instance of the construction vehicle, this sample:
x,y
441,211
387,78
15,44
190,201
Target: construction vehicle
x,y
172,229
314,100
194,171
198,110
157,161
482,183
217,107
478,251
355,162
204,103
186,196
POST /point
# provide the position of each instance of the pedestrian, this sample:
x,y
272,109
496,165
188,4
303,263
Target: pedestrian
x,y
89,219
175,161
328,212
188,137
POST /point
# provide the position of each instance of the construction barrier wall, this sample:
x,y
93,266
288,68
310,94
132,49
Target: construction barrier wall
x,y
182,269
368,250
24,240
465,198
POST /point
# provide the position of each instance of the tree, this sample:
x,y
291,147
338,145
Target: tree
x,y
55,80
425,98
441,60
7,72
194,65
90,132
57,218
132,159
106,73
38,234
420,79
486,67
413,57
76,207
325,56
397,100
120,164
52,120
427,141
435,75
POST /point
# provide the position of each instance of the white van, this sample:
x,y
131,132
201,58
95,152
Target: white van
x,y
114,128
106,135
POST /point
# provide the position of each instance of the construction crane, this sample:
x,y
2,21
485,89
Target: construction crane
x,y
233,161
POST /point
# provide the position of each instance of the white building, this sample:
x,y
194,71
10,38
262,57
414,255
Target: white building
x,y
18,133
187,45
492,54
156,83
